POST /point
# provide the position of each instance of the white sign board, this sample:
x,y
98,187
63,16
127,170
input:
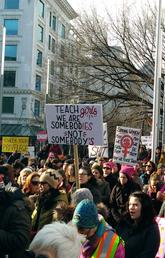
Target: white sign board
x,y
126,145
147,141
80,124
31,151
100,151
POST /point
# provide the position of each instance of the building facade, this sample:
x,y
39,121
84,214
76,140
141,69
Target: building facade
x,y
37,32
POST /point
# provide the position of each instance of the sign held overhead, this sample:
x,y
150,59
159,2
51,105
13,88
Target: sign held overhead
x,y
80,124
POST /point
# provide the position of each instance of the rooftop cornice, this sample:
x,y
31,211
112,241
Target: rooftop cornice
x,y
67,8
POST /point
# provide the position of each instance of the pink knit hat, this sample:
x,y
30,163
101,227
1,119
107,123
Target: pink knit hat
x,y
109,164
127,170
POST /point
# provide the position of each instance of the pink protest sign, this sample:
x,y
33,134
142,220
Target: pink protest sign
x,y
161,224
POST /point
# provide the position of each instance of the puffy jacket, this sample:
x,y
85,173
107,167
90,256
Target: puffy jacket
x,y
15,223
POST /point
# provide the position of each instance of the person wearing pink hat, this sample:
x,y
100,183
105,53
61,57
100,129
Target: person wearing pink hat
x,y
121,192
108,175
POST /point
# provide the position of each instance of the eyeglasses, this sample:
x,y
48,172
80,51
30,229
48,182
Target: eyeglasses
x,y
106,168
35,182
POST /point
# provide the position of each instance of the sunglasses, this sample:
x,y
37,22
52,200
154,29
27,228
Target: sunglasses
x,y
43,183
35,182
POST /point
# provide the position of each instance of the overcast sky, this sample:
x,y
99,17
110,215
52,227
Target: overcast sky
x,y
112,5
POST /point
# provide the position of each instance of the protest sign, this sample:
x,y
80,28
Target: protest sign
x,y
100,151
161,224
80,124
147,141
126,145
12,144
42,136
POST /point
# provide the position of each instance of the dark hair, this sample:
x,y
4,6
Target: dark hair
x,y
147,211
153,166
87,169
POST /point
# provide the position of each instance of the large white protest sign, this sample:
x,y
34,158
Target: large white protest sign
x,y
100,151
80,124
147,141
126,145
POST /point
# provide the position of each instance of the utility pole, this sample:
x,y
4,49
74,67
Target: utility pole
x,y
2,73
157,76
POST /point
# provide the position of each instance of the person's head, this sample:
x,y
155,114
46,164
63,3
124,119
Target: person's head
x,y
70,170
66,163
97,171
81,194
150,167
31,185
49,179
23,175
140,207
125,174
85,218
107,168
47,182
85,174
160,169
57,240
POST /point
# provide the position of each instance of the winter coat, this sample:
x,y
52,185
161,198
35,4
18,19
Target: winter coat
x,y
119,198
44,208
112,179
104,190
15,223
141,240
92,185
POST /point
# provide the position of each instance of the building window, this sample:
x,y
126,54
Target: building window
x,y
39,58
54,23
49,43
36,108
40,33
41,8
11,4
11,26
38,83
53,45
51,89
8,105
52,67
50,19
63,31
61,72
62,54
9,78
10,53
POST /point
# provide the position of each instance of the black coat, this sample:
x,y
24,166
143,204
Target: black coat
x,y
119,198
15,223
141,240
92,185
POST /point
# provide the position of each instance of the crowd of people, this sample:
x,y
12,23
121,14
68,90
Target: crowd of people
x,y
111,215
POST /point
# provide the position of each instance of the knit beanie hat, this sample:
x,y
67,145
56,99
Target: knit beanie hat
x,y
85,215
81,194
48,179
127,170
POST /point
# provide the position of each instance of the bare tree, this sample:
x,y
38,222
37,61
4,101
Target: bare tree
x,y
112,63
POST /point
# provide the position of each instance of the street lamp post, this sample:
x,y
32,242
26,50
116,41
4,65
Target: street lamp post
x,y
155,119
2,73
